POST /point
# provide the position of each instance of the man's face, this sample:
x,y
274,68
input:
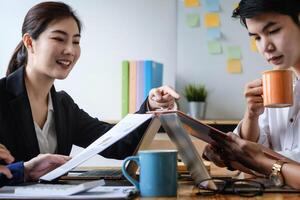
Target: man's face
x,y
277,38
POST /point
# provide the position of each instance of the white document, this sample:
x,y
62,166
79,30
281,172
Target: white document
x,y
120,130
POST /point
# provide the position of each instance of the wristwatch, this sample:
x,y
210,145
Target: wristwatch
x,y
276,175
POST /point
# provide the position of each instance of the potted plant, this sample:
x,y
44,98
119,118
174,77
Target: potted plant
x,y
196,96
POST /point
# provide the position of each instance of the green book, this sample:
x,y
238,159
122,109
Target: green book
x,y
125,88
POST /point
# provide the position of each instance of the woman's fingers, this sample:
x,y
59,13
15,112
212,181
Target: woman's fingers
x,y
4,170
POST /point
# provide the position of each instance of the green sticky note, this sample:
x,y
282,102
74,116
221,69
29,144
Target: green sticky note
x,y
192,20
234,52
214,47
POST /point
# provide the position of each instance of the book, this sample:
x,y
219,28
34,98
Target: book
x,y
132,86
125,88
138,78
153,75
148,77
157,74
140,96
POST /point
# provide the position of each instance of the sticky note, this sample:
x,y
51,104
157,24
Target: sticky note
x,y
192,20
234,66
191,3
212,20
214,47
234,52
214,33
212,5
235,5
253,46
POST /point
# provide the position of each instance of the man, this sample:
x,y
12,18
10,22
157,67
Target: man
x,y
275,26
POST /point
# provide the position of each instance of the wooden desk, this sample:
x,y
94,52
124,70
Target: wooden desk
x,y
187,191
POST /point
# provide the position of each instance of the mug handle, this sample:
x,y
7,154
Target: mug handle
x,y
125,173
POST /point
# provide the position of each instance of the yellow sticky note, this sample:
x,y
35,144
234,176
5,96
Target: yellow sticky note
x,y
253,46
234,66
191,3
235,5
212,20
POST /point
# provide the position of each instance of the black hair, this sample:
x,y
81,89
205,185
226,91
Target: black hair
x,y
35,22
251,8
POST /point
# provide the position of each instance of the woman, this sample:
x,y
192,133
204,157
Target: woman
x,y
34,117
275,26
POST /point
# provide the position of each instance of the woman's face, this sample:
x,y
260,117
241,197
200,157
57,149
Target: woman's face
x,y
56,50
277,39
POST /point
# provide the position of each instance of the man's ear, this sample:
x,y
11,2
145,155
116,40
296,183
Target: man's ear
x,y
27,41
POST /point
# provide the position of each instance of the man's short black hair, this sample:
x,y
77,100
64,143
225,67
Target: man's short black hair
x,y
251,8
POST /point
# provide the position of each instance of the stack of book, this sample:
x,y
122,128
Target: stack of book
x,y
138,78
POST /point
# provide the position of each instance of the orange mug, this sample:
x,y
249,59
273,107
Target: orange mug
x,y
277,88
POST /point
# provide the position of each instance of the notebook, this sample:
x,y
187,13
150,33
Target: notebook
x,y
116,173
117,132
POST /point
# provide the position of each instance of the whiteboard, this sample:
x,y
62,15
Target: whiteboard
x,y
196,65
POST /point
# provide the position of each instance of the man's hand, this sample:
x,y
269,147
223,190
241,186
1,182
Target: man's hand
x,y
237,153
162,98
7,158
253,94
42,164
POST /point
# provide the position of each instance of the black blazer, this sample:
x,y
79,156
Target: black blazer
x,y
73,125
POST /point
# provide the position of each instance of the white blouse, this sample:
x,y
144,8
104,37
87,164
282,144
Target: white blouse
x,y
47,135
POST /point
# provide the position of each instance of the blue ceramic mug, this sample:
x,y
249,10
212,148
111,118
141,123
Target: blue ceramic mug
x,y
158,172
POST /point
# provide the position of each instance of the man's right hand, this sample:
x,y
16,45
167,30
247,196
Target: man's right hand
x,y
253,94
7,158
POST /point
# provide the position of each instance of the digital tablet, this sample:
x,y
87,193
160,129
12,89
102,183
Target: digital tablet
x,y
198,129
212,135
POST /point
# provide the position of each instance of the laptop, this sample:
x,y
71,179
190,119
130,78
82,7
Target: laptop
x,y
112,174
180,127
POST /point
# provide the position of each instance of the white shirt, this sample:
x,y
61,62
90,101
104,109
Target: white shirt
x,y
47,135
280,128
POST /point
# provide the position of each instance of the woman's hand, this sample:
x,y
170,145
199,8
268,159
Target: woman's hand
x,y
7,158
42,164
162,98
253,94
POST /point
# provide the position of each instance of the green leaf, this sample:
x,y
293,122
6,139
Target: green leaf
x,y
195,92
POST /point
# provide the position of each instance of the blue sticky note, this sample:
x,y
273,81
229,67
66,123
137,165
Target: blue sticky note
x,y
212,5
214,33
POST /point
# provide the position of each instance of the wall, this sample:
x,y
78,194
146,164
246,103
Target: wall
x,y
196,65
114,30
